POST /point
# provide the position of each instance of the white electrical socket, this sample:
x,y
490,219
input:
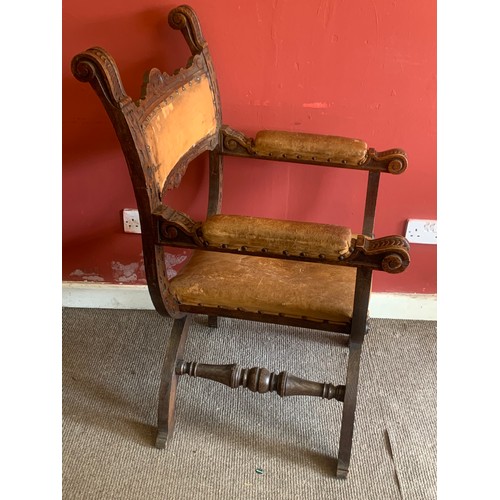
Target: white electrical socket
x,y
131,222
421,231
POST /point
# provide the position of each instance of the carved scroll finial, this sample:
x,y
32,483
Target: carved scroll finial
x,y
175,227
98,68
396,166
393,263
184,18
390,253
234,141
394,160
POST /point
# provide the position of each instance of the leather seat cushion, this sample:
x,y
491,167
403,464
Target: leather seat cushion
x,y
277,236
320,292
316,147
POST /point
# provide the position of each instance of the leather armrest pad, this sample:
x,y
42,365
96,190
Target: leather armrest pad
x,y
327,148
277,236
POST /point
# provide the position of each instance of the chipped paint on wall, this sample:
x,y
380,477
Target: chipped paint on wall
x,y
315,105
125,273
173,260
82,275
134,273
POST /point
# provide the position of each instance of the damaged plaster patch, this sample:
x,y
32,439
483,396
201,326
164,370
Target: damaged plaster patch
x,y
172,260
78,273
135,272
125,273
129,273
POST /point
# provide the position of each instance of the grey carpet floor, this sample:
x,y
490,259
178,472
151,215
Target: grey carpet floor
x,y
111,367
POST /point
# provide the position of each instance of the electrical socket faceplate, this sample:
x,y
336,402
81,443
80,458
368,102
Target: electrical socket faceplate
x,y
131,221
421,231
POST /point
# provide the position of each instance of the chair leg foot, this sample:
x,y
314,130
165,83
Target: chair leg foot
x,y
341,473
213,321
161,440
348,412
168,384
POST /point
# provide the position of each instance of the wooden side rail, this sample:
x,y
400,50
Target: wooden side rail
x,y
261,380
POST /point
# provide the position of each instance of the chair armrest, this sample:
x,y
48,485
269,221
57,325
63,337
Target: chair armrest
x,y
304,241
277,237
323,148
312,149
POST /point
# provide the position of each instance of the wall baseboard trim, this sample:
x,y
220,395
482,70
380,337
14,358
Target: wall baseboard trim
x,y
412,306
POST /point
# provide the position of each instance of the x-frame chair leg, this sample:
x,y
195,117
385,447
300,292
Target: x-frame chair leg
x,y
213,321
357,335
168,384
348,412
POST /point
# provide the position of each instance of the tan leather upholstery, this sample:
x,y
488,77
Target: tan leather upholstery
x,y
277,236
320,292
179,122
325,148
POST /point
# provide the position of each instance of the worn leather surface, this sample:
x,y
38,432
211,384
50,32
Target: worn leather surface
x,y
178,123
277,236
326,148
260,284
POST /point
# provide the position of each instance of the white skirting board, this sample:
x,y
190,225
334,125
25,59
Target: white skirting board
x,y
107,296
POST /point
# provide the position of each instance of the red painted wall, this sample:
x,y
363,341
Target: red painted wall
x,y
345,67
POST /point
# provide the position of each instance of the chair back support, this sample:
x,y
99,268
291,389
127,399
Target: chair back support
x,y
179,121
176,118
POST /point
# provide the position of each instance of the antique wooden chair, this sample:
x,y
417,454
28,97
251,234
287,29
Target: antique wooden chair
x,y
314,275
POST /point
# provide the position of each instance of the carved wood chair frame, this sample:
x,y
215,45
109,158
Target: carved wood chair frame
x,y
163,226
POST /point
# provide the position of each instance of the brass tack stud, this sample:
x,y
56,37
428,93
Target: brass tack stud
x,y
264,250
321,256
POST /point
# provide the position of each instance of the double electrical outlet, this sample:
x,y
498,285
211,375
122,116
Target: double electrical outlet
x,y
421,231
131,221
